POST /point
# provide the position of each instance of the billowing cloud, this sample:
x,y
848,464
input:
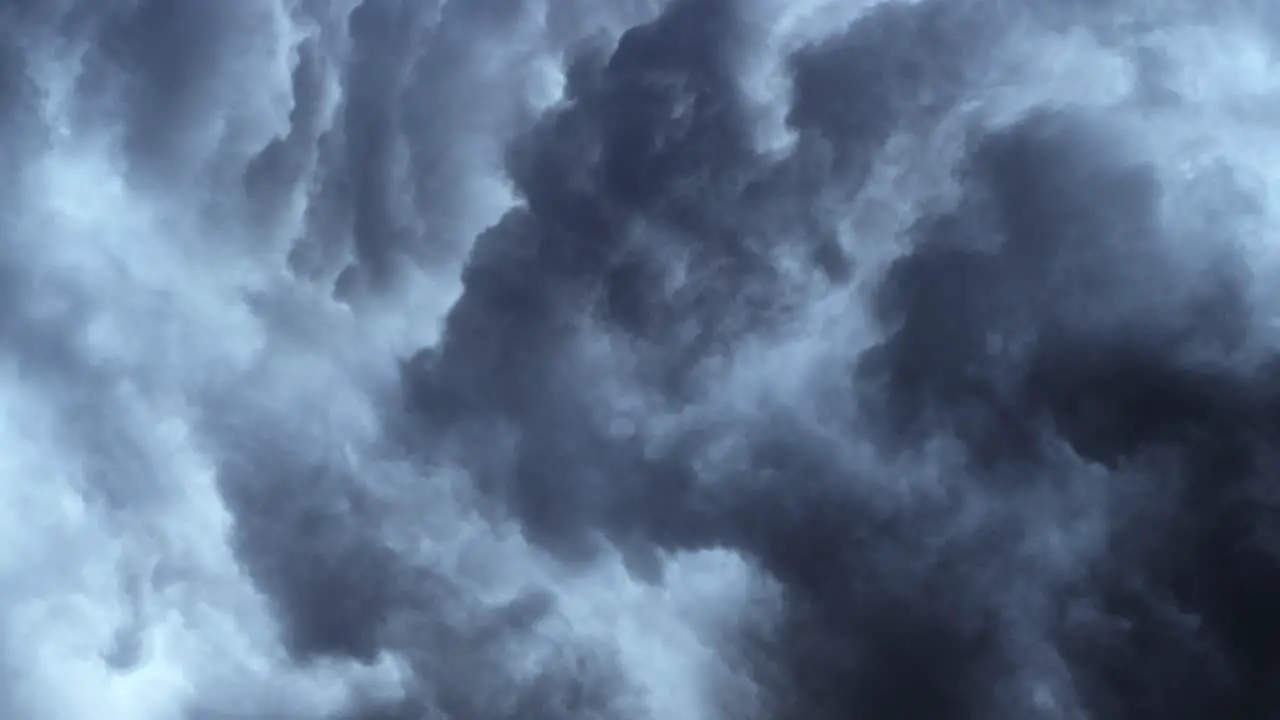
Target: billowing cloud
x,y
694,359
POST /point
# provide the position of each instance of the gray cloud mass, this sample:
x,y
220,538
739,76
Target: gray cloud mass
x,y
679,359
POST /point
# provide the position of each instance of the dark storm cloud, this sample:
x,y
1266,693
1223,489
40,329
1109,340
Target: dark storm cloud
x,y
285,161
389,179
1080,327
21,131
307,531
653,133
656,137
431,92
163,70
1047,331
385,38
652,160
312,540
1052,467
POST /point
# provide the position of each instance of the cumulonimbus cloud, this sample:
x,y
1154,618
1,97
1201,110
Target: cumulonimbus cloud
x,y
696,359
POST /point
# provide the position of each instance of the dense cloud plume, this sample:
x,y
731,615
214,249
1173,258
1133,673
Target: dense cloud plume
x,y
501,359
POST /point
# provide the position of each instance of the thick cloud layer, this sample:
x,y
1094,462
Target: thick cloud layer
x,y
486,360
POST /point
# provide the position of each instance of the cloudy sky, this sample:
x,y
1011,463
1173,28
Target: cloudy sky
x,y
639,360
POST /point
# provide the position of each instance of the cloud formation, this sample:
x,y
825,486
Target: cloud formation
x,y
693,359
